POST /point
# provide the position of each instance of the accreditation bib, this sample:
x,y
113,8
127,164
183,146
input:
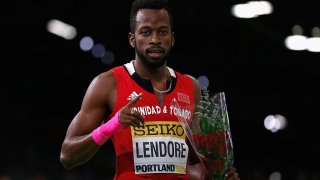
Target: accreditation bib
x,y
159,147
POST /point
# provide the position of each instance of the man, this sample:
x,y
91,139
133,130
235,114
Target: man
x,y
148,139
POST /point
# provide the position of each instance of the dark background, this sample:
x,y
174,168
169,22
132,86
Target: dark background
x,y
44,77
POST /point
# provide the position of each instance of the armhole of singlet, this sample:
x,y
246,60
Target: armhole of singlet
x,y
117,75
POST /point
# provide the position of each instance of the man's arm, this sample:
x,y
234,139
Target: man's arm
x,y
78,146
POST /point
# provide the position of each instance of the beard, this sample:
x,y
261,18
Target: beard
x,y
153,63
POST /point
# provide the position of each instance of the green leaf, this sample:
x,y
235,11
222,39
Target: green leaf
x,y
204,125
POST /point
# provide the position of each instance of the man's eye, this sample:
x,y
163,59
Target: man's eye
x,y
145,33
163,32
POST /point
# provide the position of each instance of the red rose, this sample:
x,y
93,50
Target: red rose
x,y
197,139
215,142
221,146
209,142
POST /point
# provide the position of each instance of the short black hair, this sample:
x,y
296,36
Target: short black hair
x,y
148,4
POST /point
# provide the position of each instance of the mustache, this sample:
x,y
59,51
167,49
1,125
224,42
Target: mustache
x,y
155,48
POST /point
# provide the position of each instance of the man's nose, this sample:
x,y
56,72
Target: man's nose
x,y
155,38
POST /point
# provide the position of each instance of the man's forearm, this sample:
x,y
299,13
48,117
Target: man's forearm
x,y
77,150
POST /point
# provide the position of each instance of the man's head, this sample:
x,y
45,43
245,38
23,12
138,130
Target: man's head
x,y
147,4
151,31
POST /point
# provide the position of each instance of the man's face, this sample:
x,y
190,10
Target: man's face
x,y
152,38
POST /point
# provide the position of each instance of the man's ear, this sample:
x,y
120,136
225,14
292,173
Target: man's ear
x,y
173,39
132,40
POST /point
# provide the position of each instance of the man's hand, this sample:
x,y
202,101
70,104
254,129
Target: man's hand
x,y
198,172
128,116
232,174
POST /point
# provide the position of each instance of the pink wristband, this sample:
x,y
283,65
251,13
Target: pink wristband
x,y
105,131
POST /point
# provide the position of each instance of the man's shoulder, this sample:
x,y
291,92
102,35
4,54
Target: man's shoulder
x,y
179,73
105,77
185,76
192,79
112,74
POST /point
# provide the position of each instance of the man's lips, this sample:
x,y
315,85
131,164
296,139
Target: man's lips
x,y
155,52
154,55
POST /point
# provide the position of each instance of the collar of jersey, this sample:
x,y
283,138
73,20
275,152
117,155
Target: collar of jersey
x,y
146,83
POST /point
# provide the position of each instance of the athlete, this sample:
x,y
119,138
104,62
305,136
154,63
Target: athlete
x,y
132,106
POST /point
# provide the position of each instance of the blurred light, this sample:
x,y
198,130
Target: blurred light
x,y
297,30
107,58
61,29
98,50
242,11
282,120
315,31
299,42
203,82
296,42
314,42
86,43
275,176
275,123
252,9
261,7
269,122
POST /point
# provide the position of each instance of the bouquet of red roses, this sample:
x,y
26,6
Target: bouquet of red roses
x,y
209,134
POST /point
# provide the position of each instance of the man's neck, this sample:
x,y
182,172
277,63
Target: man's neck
x,y
159,74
